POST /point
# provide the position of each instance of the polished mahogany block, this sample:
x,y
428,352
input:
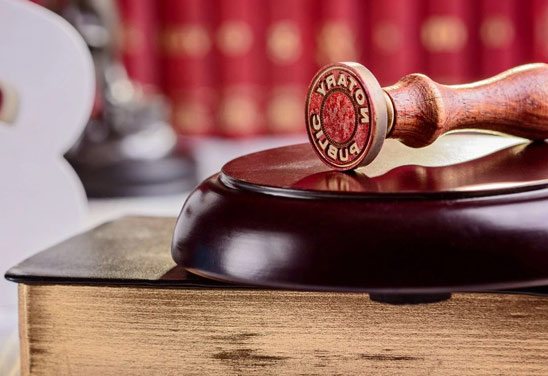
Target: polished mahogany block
x,y
348,114
281,218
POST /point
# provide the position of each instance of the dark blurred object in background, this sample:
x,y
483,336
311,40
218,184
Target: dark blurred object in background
x,y
240,67
128,148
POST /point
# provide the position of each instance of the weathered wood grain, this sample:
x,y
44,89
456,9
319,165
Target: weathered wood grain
x,y
84,330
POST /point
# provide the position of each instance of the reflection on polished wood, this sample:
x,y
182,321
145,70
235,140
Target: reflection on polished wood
x,y
516,167
505,167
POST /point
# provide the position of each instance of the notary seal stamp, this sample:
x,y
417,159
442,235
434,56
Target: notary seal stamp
x,y
341,115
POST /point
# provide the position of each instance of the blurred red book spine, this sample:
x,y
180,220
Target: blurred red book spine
x,y
188,73
339,26
240,32
289,46
539,15
395,48
449,36
138,40
505,37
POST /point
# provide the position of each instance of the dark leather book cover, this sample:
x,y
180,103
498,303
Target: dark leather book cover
x,y
127,251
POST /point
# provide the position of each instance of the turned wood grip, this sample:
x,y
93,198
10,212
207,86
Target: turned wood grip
x,y
514,102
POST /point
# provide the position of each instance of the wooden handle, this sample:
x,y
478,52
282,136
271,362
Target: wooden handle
x,y
514,102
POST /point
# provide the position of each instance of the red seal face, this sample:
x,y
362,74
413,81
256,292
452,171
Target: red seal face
x,y
339,112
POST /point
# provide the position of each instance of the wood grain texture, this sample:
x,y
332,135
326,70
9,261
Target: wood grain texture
x,y
85,330
514,102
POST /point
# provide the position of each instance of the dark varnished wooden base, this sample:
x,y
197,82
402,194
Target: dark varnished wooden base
x,y
288,222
